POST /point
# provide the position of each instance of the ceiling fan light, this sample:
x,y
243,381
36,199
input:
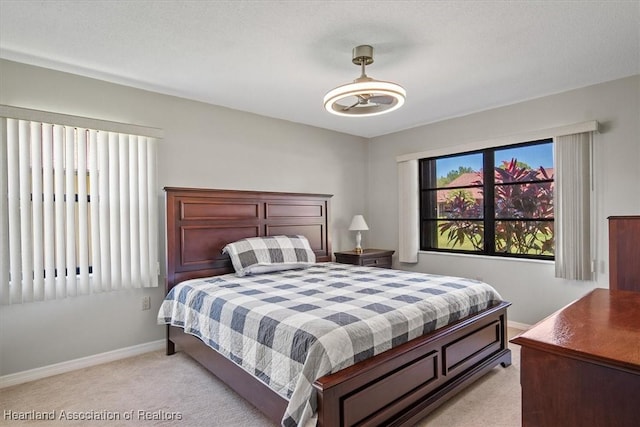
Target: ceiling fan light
x,y
365,96
369,88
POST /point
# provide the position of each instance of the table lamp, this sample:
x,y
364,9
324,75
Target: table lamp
x,y
357,224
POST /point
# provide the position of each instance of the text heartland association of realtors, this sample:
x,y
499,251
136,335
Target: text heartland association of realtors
x,y
137,415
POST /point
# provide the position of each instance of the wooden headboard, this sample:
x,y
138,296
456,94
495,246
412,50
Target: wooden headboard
x,y
201,222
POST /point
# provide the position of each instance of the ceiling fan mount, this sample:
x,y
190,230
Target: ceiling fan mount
x,y
363,55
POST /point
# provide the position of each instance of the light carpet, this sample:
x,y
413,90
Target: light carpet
x,y
157,390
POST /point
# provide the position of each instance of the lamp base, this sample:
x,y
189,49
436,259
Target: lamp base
x,y
358,248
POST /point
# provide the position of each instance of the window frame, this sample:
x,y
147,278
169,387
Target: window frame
x,y
426,237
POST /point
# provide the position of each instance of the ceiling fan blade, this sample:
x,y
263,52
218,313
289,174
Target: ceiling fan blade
x,y
361,100
381,99
351,106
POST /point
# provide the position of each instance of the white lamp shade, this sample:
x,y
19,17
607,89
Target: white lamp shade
x,y
358,223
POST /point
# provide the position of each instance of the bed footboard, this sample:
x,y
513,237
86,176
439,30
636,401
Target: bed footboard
x,y
402,385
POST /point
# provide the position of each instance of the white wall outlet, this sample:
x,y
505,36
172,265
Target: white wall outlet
x,y
146,303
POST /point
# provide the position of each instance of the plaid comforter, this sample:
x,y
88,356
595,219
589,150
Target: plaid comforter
x,y
290,328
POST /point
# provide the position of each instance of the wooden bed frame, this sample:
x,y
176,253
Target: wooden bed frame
x,y
394,388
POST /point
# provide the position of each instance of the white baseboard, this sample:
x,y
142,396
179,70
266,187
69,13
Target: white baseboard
x,y
83,362
517,325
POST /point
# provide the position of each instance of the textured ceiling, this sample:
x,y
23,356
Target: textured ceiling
x,y
279,58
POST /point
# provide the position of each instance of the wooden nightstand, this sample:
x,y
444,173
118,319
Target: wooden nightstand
x,y
368,257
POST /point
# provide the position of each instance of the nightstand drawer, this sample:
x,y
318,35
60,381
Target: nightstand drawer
x,y
377,262
368,257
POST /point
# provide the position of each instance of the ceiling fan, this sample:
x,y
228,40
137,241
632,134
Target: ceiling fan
x,y
365,96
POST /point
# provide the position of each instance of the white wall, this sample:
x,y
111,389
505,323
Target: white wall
x,y
204,146
530,286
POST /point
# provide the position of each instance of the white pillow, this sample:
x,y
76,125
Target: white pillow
x,y
256,255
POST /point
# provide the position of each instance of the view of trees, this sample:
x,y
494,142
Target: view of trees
x,y
521,200
443,181
461,229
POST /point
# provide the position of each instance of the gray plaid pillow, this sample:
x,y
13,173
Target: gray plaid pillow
x,y
257,255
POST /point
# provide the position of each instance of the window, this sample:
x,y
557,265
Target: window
x,y
78,209
494,201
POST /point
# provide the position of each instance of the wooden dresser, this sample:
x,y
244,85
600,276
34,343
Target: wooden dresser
x,y
624,253
580,367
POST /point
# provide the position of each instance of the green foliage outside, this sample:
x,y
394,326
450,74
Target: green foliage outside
x,y
443,181
528,200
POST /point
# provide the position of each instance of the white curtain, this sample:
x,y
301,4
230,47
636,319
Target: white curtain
x,y
78,211
409,211
572,205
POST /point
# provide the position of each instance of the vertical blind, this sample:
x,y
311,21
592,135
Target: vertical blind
x,y
409,209
78,211
572,204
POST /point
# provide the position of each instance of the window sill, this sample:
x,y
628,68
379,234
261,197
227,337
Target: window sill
x,y
487,257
